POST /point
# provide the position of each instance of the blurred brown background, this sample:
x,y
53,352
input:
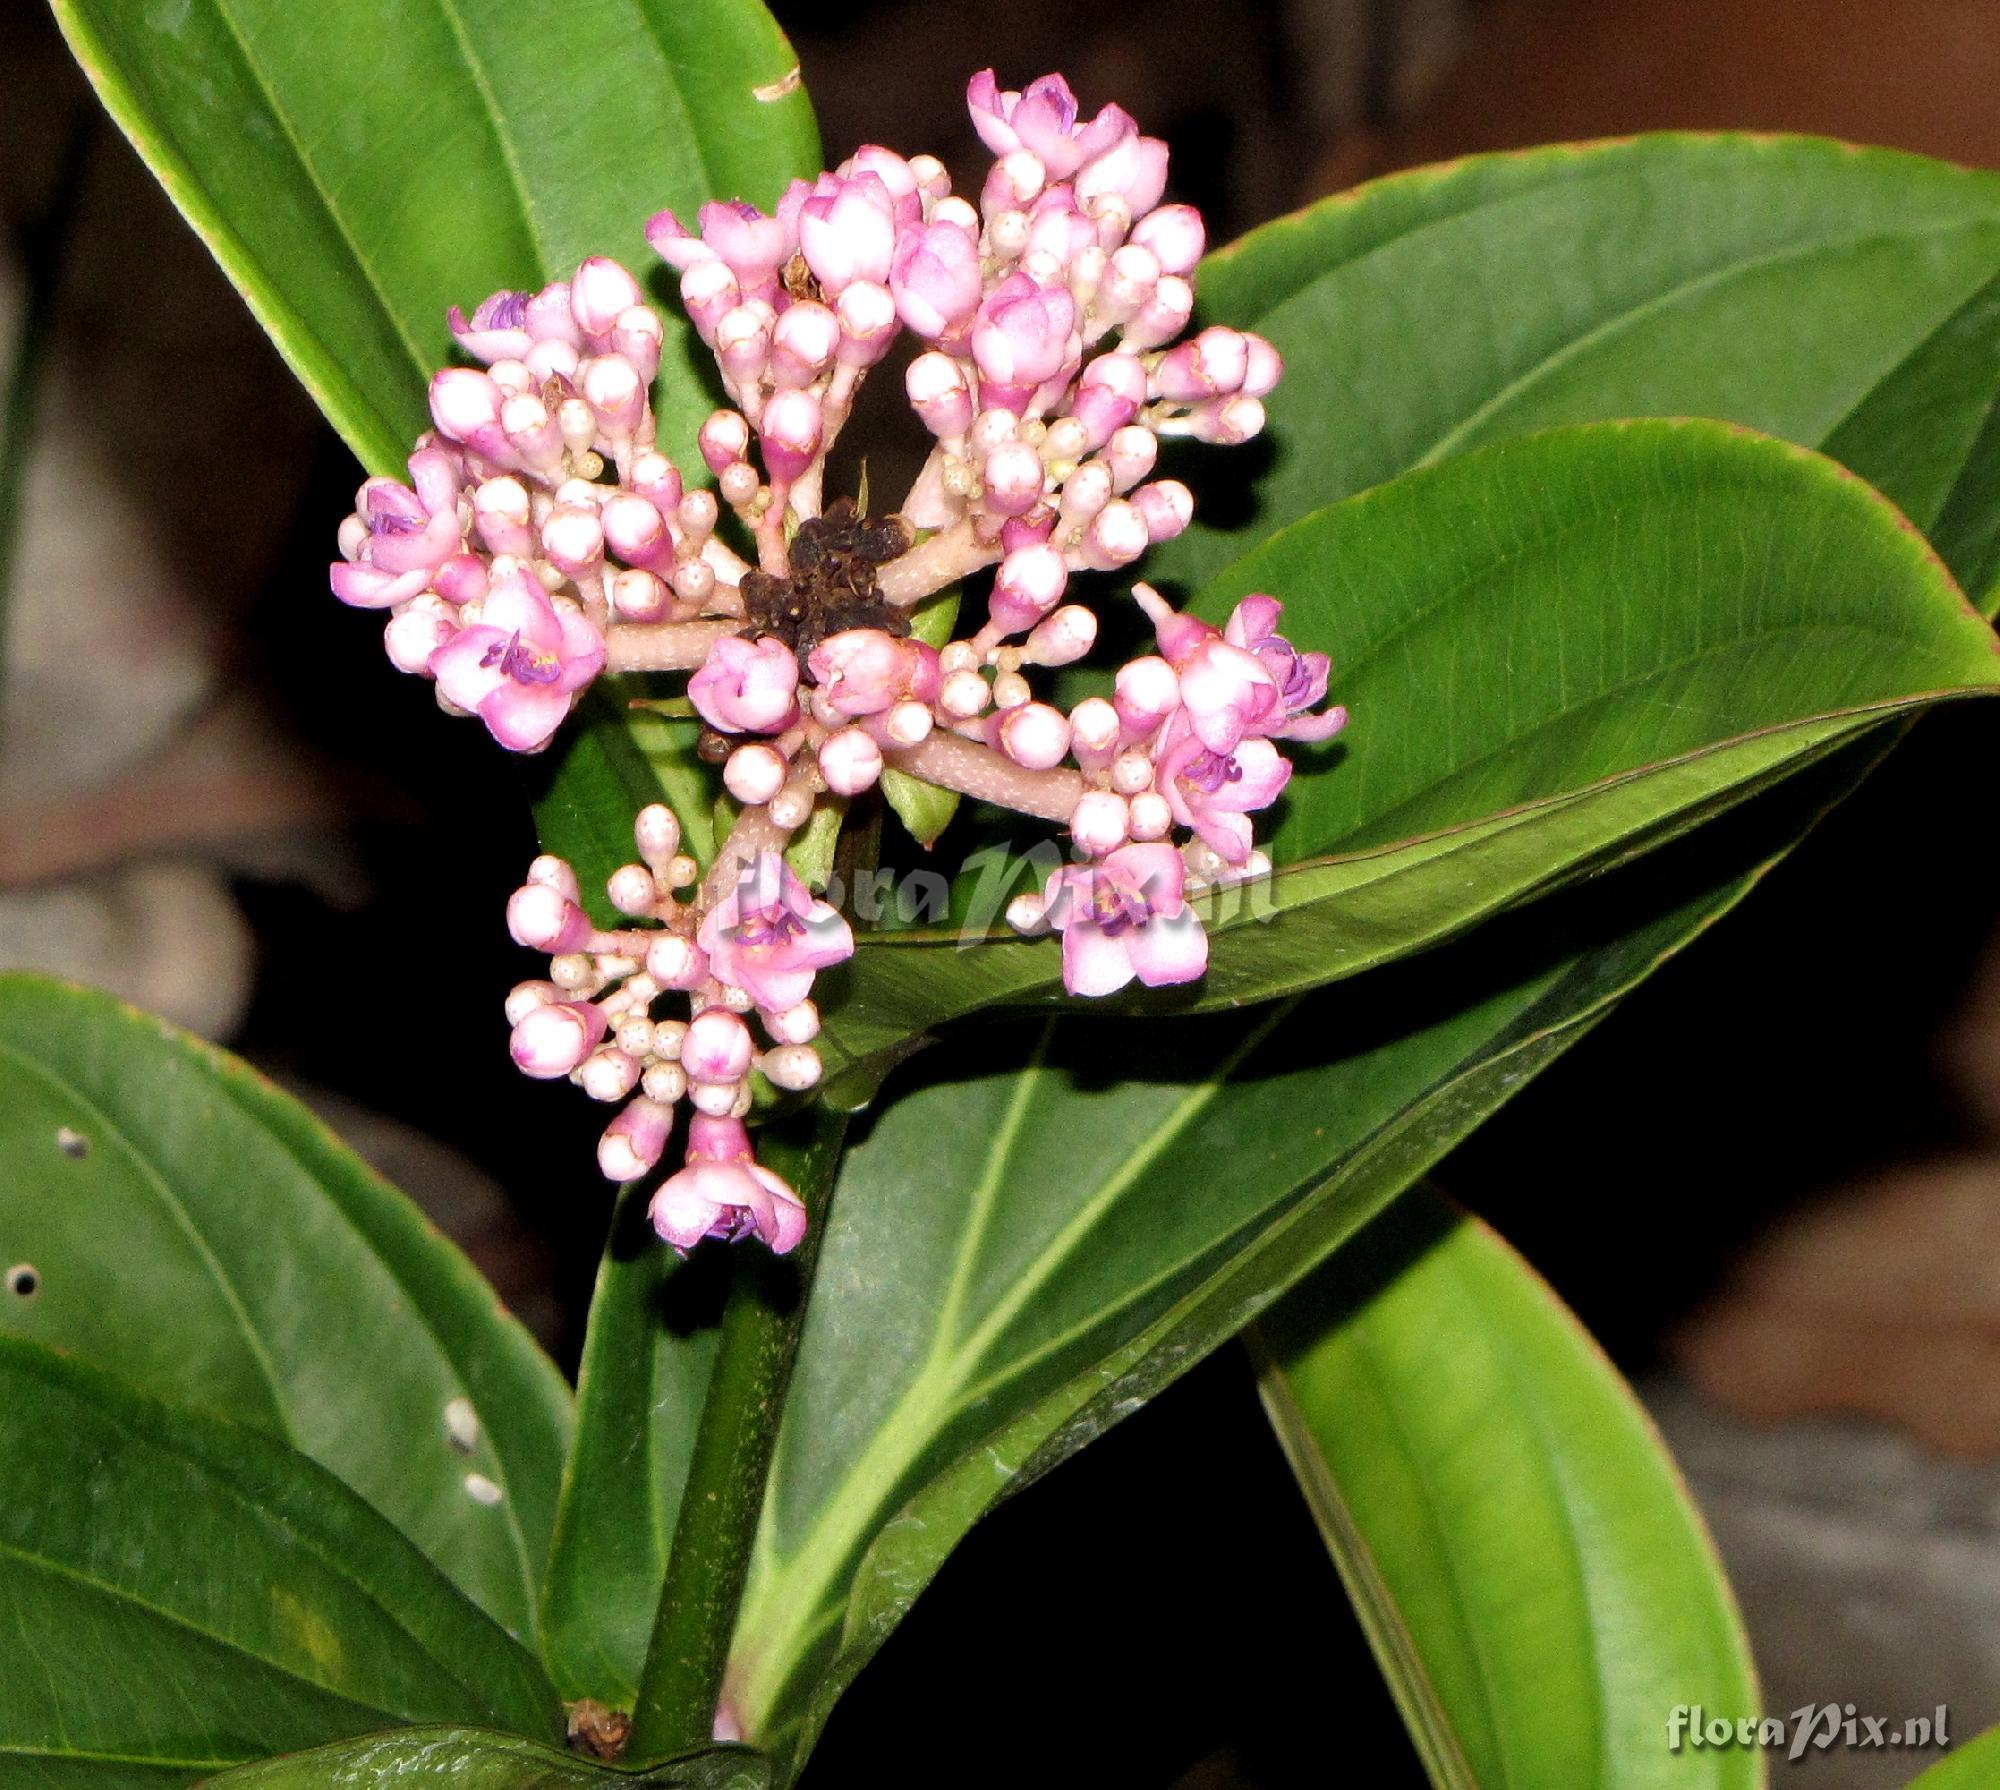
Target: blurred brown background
x,y
1771,1182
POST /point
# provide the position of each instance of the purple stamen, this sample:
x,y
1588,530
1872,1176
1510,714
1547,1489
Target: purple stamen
x,y
1209,771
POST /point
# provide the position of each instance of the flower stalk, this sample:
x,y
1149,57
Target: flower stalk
x,y
681,1689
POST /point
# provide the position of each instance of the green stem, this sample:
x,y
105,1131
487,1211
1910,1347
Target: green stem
x,y
723,1499
43,242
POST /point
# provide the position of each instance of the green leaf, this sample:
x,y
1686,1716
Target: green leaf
x,y
181,1594
199,1233
1558,652
1814,291
471,1760
1533,1578
646,1361
923,808
1972,1767
357,179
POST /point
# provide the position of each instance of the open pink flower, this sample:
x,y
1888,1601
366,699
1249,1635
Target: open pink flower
x,y
1042,119
1225,690
1300,677
769,937
410,534
847,230
521,664
723,1191
1215,793
936,278
751,245
1124,918
747,686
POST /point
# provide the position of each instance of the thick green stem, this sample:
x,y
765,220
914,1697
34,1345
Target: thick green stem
x,y
681,1687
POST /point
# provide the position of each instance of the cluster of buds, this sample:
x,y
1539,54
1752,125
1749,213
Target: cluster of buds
x,y
544,538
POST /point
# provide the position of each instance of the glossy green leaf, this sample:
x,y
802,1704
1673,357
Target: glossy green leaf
x,y
357,179
1535,1583
1557,651
188,1226
471,1760
1834,296
178,1594
1106,1218
1974,1766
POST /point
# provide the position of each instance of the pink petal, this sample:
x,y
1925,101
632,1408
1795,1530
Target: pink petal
x,y
364,587
458,667
1166,951
523,716
1094,963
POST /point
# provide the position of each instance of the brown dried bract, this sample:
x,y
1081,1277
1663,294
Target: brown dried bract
x,y
598,1731
832,584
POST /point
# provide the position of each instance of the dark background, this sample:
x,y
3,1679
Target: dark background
x,y
1160,1612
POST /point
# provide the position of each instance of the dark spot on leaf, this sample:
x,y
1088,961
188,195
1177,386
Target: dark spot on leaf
x,y
72,1143
24,1280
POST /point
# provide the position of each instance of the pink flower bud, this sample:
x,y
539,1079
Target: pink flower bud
x,y
1175,234
939,394
1210,365
1108,395
675,962
936,279
717,1047
634,1142
850,761
573,540
743,341
608,1074
639,596
1163,316
1013,478
1100,823
1166,506
1263,367
1130,455
754,774
847,230
638,336
615,392
867,316
1029,584
754,246
599,292
550,1040
803,344
465,405
1094,731
1227,421
709,292
524,997
532,435
789,432
724,439
1012,184
1146,692
1022,339
501,513
1034,735
747,686
411,637
657,832
545,919
635,530
864,671
1133,172
552,872
1065,637
658,480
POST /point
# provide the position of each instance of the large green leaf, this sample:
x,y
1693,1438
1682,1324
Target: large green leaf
x,y
178,1594
1535,1583
1972,1767
1557,651
1105,1217
183,1223
1831,295
471,1760
358,177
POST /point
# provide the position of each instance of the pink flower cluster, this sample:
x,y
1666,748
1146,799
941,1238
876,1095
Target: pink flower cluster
x,y
544,538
